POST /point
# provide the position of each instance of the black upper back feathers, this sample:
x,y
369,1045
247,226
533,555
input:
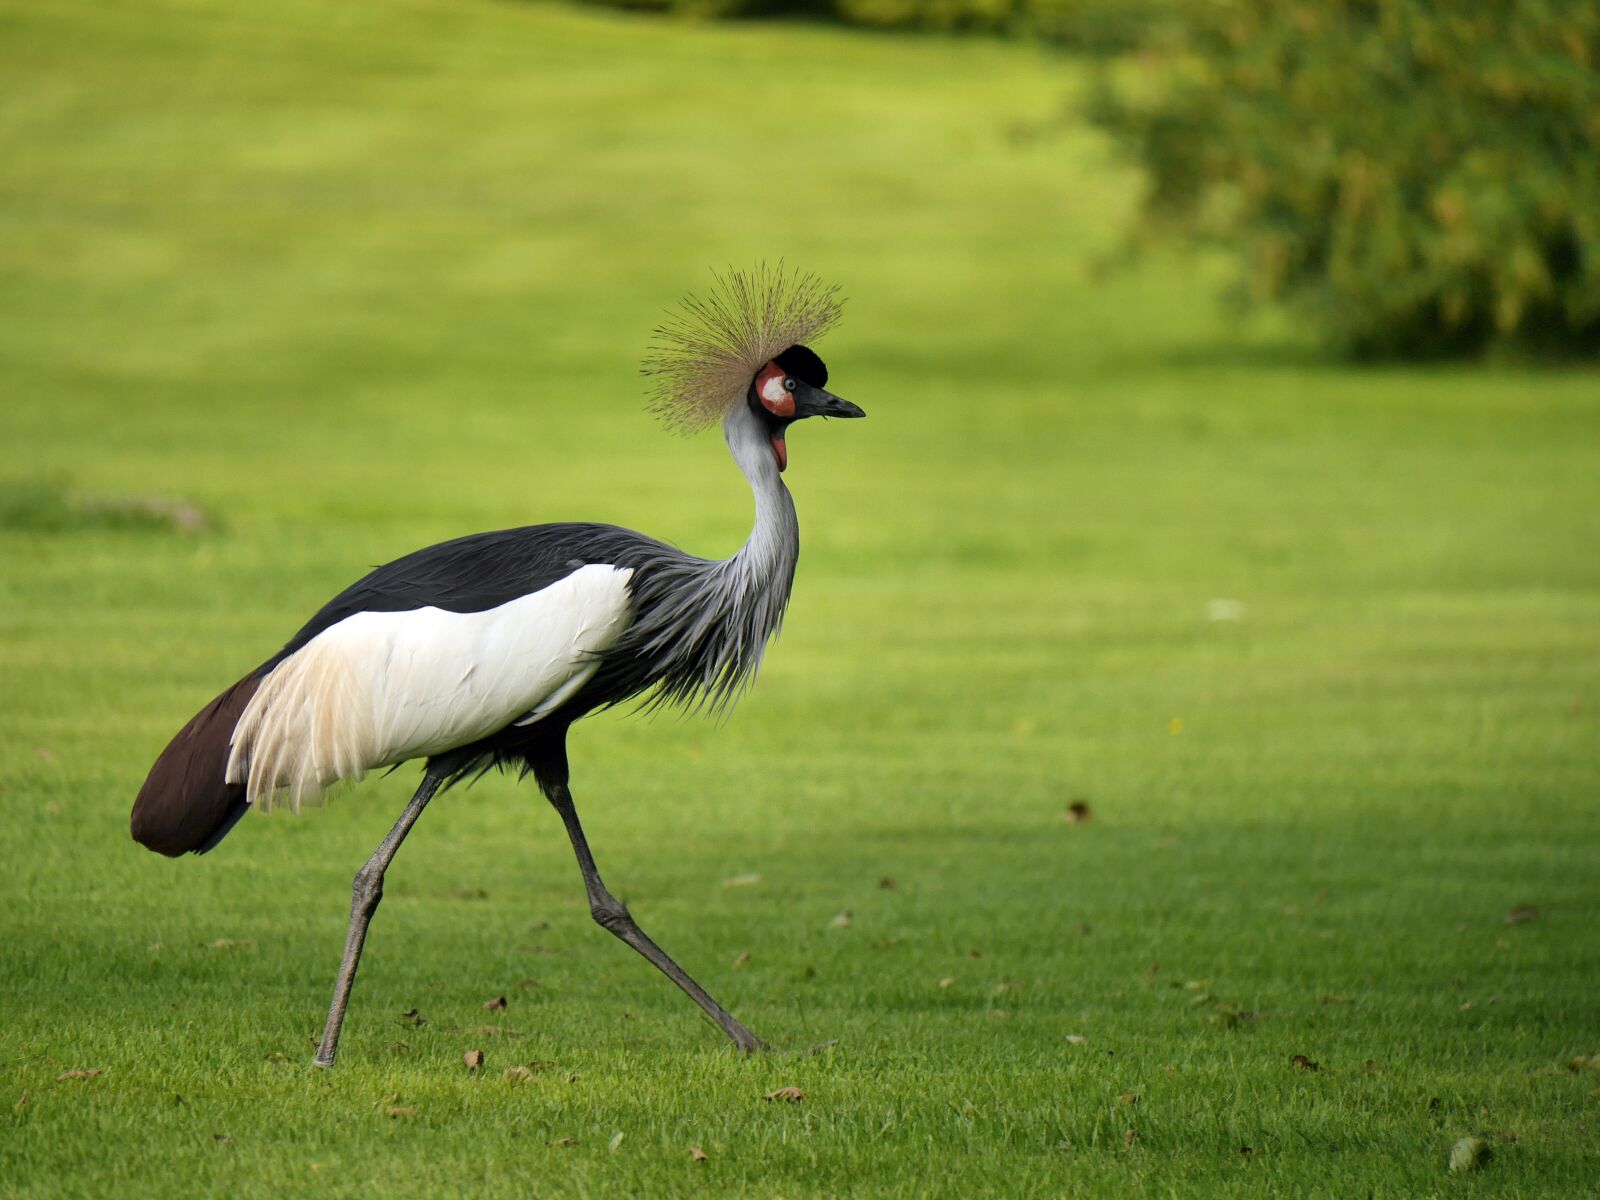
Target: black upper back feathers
x,y
802,362
480,572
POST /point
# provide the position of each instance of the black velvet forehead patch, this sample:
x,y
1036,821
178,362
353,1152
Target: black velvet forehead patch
x,y
803,363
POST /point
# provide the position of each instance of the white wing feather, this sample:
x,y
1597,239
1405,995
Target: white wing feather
x,y
379,688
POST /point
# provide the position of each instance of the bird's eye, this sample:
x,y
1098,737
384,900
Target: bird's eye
x,y
788,383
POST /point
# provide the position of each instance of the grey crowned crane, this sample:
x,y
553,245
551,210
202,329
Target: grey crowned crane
x,y
481,652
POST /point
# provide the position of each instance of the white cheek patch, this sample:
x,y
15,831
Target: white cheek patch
x,y
773,391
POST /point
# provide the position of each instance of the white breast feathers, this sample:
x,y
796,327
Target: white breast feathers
x,y
379,688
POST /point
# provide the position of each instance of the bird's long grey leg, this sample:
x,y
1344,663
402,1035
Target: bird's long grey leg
x,y
613,915
363,903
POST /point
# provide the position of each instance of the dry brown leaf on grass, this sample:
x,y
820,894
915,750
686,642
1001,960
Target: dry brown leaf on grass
x,y
819,1047
947,981
1522,914
1305,1064
742,960
1469,1154
89,1074
472,1060
222,1139
1078,812
229,944
1128,1098
843,919
402,1110
1076,1039
792,1094
887,883
496,1003
567,1141
522,1072
524,984
697,1154
412,1017
1130,1137
749,880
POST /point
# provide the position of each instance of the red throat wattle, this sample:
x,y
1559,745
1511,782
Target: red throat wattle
x,y
780,452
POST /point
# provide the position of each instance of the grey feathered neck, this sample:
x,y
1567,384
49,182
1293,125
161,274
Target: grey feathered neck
x,y
702,625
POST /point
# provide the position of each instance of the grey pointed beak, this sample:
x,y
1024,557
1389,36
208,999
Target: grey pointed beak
x,y
815,402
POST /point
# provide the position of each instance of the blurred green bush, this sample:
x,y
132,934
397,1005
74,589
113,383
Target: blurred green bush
x,y
1421,176
1424,178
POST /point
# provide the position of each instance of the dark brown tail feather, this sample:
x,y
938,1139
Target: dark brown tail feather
x,y
185,803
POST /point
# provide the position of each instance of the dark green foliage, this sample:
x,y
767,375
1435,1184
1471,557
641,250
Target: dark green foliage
x,y
1423,178
728,8
931,14
1095,26
1101,26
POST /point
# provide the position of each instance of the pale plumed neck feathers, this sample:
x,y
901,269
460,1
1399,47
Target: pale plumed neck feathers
x,y
704,623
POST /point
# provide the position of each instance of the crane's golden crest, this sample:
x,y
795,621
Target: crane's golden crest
x,y
705,355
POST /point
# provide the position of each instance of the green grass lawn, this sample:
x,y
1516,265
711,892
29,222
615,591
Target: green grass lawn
x,y
353,278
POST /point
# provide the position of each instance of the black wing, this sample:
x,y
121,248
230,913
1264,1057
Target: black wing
x,y
478,572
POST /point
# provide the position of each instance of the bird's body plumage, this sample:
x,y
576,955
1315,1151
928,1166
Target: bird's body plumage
x,y
461,647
